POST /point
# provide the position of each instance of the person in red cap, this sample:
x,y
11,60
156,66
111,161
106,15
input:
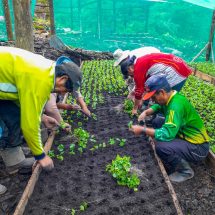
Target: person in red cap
x,y
142,68
182,138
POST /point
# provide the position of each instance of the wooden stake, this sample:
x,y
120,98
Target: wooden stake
x,y
166,178
8,20
211,37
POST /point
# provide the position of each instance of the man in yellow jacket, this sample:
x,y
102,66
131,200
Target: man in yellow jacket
x,y
26,81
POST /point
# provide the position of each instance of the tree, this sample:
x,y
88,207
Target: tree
x,y
23,24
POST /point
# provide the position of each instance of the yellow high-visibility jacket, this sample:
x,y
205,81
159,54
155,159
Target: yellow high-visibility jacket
x,y
27,79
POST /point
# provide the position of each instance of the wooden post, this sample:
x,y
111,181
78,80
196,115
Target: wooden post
x,y
114,16
211,37
23,24
51,12
99,18
7,20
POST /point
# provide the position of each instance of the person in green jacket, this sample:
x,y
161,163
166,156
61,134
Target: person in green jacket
x,y
26,81
182,138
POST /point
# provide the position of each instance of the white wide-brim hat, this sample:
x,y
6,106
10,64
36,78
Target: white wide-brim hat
x,y
119,56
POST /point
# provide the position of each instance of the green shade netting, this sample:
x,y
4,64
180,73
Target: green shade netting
x,y
180,27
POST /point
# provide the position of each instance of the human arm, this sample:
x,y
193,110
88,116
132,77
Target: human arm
x,y
145,113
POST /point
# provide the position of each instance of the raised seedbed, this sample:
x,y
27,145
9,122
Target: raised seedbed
x,y
82,177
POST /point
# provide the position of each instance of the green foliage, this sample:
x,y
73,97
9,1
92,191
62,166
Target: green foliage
x,y
51,154
205,67
111,141
201,95
72,149
128,106
82,137
73,211
120,170
83,206
130,124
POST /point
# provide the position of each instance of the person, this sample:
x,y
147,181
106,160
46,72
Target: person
x,y
176,70
182,138
52,116
120,56
26,81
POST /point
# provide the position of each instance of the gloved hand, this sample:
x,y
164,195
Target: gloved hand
x,y
49,121
46,163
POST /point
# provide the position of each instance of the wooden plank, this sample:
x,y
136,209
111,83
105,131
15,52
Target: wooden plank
x,y
167,180
35,175
204,76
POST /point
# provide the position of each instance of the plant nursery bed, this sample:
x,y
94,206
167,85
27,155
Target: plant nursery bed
x,y
197,196
83,177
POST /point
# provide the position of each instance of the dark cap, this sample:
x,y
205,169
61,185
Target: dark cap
x,y
155,83
74,73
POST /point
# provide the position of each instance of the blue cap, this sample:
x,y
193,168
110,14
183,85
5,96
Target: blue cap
x,y
63,59
65,64
155,83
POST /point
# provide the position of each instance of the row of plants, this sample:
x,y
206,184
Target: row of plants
x,y
202,95
99,77
205,67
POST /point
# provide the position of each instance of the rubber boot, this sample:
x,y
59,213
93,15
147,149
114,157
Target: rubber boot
x,y
183,173
3,189
14,160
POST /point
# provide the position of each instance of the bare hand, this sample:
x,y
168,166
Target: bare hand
x,y
137,129
72,107
86,111
67,127
46,163
49,122
134,112
142,116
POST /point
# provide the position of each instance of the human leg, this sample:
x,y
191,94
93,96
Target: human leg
x,y
177,153
10,139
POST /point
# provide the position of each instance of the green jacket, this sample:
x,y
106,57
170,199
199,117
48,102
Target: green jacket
x,y
27,79
181,120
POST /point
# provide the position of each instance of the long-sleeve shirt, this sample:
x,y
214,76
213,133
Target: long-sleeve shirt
x,y
181,120
173,67
27,79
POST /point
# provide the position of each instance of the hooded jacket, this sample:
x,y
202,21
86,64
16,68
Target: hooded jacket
x,y
27,79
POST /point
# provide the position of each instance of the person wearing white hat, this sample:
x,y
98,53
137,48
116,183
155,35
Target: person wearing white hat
x,y
120,56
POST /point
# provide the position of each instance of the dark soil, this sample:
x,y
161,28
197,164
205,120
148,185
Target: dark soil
x,y
197,196
82,178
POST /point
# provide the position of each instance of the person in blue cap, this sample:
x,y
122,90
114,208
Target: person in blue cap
x,y
51,116
182,138
26,81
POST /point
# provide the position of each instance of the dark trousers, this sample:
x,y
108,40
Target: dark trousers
x,y
10,124
172,152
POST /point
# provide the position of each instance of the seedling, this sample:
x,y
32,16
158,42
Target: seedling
x,y
122,142
61,148
51,154
94,116
73,211
130,124
72,149
128,106
83,206
111,141
120,170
